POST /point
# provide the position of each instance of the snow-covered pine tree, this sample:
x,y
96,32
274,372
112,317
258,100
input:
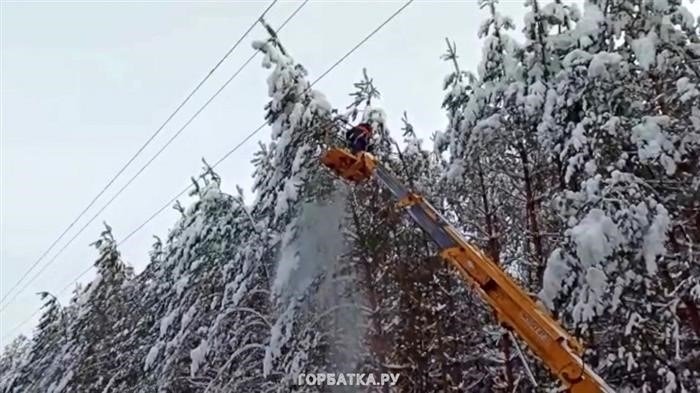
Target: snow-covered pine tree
x,y
299,117
12,363
186,354
297,206
157,283
236,337
144,297
663,39
478,143
528,166
42,359
667,50
369,250
458,91
98,317
629,148
479,186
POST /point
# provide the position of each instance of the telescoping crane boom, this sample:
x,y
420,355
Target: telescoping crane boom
x,y
514,308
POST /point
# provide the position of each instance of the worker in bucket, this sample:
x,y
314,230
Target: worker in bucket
x,y
359,138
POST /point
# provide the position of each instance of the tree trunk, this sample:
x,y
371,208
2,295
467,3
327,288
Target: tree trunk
x,y
533,226
505,347
493,250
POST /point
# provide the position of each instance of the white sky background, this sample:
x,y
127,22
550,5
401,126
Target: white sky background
x,y
84,85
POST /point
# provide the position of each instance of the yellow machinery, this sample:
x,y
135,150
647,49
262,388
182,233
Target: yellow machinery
x,y
514,308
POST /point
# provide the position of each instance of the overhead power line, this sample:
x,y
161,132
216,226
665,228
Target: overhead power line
x,y
261,126
133,157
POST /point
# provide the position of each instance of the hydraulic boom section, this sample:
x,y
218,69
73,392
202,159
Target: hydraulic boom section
x,y
514,308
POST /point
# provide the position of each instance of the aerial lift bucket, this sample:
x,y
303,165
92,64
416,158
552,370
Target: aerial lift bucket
x,y
353,167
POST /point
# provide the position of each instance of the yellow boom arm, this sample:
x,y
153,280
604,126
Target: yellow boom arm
x,y
514,308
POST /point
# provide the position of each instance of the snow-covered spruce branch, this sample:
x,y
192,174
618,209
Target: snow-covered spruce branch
x,y
233,356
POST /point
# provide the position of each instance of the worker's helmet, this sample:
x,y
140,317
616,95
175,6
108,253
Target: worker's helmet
x,y
365,127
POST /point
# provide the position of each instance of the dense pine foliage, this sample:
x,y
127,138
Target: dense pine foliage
x,y
572,158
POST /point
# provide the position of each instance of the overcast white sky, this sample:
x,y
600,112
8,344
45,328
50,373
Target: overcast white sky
x,y
84,85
